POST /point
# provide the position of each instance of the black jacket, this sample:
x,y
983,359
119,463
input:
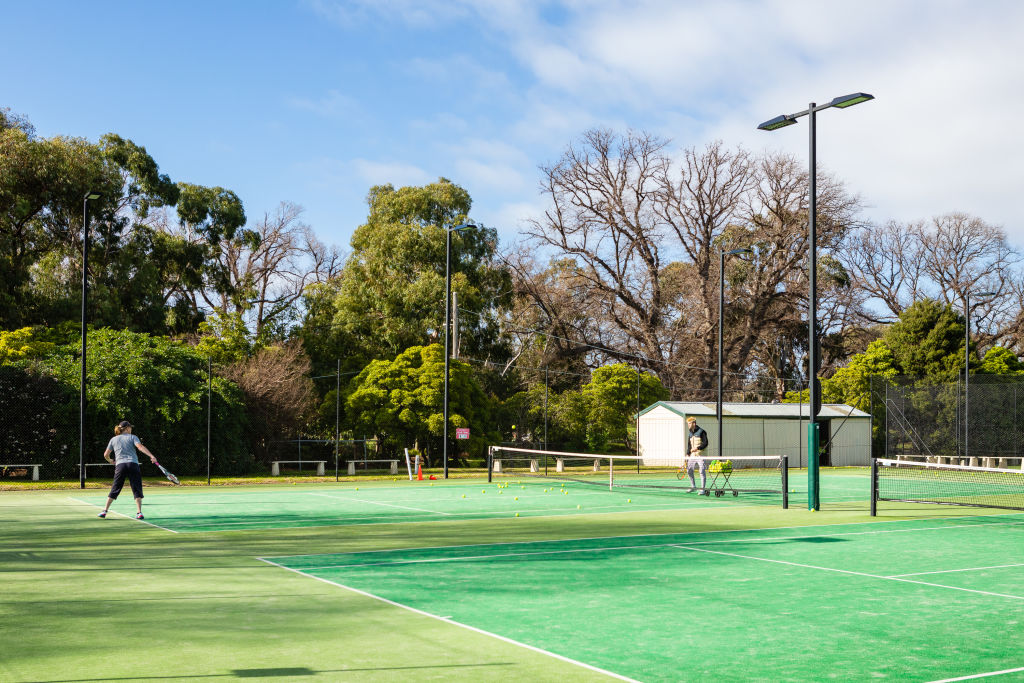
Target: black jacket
x,y
703,438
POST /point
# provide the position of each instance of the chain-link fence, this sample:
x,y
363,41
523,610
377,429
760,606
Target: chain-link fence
x,y
206,422
979,422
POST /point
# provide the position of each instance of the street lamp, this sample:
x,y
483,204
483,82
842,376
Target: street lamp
x,y
89,196
967,360
721,320
447,325
813,361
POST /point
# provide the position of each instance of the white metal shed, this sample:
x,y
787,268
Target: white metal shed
x,y
756,429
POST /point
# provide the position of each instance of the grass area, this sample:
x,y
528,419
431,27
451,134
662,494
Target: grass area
x,y
88,599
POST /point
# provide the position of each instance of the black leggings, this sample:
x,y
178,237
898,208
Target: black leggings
x,y
134,474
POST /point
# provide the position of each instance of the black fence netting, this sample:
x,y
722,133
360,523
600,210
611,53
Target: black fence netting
x,y
206,422
978,422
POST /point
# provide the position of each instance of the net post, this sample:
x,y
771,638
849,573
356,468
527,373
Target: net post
x,y
611,474
785,482
874,487
490,464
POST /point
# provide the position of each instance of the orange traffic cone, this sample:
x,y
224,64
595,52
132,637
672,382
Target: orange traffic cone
x,y
419,471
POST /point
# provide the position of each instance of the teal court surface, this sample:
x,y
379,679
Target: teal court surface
x,y
402,501
900,600
527,580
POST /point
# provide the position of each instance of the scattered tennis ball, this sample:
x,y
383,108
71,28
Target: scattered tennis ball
x,y
463,495
629,500
577,507
357,488
483,490
517,514
516,498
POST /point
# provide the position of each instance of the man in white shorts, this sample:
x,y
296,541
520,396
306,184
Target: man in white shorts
x,y
697,442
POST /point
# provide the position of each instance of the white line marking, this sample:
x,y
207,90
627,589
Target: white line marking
x,y
121,514
455,623
847,571
771,539
373,502
696,533
984,675
951,571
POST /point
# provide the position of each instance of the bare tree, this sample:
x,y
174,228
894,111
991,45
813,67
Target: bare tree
x,y
643,236
279,392
945,259
271,266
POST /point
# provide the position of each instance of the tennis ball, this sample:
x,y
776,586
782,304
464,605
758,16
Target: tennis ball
x,y
357,488
517,514
516,498
463,495
483,490
629,500
577,507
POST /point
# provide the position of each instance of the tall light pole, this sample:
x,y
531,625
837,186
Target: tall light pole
x,y
813,360
967,361
89,196
721,323
447,325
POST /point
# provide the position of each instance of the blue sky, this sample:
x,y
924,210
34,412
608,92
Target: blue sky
x,y
314,101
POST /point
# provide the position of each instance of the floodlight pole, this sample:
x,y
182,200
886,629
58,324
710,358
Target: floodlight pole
x,y
967,363
721,323
448,328
813,361
85,319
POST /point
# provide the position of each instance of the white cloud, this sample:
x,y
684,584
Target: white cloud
x,y
333,105
397,173
939,137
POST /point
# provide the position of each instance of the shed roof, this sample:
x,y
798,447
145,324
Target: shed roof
x,y
761,410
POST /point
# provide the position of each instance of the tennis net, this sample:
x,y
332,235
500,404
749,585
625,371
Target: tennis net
x,y
942,484
765,476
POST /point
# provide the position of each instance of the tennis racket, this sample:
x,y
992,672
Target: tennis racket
x,y
167,474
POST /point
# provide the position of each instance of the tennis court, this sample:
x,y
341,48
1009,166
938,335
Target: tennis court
x,y
204,510
905,600
396,579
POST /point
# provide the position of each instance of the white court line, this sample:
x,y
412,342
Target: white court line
x,y
951,571
455,623
848,571
131,517
984,675
374,502
623,547
693,533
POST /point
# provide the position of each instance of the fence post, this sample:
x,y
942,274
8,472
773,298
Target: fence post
x,y
545,407
209,413
337,418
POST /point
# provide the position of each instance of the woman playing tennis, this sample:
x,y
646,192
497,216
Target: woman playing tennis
x,y
123,446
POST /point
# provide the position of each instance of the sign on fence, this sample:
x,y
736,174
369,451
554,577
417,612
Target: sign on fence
x,y
462,432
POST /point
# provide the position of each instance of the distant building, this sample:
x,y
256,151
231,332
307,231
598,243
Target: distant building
x,y
756,429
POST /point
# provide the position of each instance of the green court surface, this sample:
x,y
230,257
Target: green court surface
x,y
405,501
408,581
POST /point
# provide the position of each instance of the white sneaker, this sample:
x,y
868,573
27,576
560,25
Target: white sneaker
x,y
690,490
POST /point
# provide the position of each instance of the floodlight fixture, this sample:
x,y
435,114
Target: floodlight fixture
x,y
780,121
849,100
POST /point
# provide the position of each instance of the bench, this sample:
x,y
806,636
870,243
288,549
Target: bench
x,y
35,469
559,465
352,465
95,464
275,469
